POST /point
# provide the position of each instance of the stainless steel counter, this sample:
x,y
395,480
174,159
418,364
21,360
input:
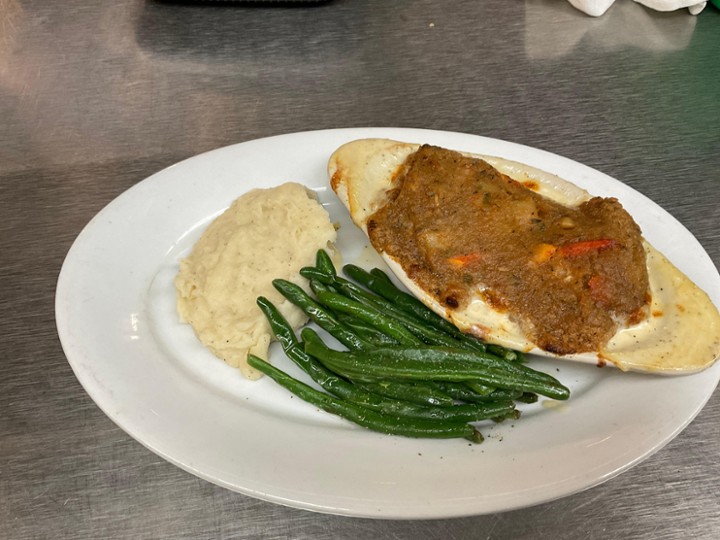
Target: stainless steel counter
x,y
96,96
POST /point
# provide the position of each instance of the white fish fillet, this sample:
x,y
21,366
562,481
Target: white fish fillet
x,y
668,341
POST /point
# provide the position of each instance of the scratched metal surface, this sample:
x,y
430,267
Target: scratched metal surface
x,y
96,96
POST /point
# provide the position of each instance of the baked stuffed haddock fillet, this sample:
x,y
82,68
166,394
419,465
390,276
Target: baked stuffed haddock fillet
x,y
524,259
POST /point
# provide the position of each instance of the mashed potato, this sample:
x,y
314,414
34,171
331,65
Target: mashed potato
x,y
264,235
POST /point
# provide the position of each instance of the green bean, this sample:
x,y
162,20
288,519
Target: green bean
x,y
379,273
462,392
367,395
367,418
324,262
387,289
365,331
335,301
467,412
423,392
317,286
281,329
343,389
402,388
421,329
512,415
314,273
384,287
489,360
418,393
431,363
506,354
419,309
294,350
439,354
320,315
480,388
527,397
385,324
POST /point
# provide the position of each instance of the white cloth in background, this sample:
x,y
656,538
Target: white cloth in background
x,y
553,29
598,7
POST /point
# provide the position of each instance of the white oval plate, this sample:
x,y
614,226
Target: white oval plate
x,y
115,310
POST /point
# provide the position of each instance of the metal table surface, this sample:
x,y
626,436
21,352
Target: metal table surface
x,y
96,96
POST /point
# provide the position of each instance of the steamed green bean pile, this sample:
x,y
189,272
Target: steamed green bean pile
x,y
406,370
